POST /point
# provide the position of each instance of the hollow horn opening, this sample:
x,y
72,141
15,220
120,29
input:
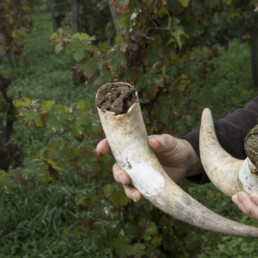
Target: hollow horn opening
x,y
116,97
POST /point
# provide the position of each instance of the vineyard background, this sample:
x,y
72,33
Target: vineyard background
x,y
58,197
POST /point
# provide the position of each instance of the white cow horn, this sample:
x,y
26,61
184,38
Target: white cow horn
x,y
128,140
227,173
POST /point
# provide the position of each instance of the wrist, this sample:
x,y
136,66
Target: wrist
x,y
193,164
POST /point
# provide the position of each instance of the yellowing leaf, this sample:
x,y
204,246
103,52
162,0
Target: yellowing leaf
x,y
59,47
83,105
47,106
184,3
24,102
53,165
177,35
3,174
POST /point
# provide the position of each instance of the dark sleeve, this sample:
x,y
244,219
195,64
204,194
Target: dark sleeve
x,y
231,131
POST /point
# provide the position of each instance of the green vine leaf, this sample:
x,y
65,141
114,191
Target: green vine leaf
x,y
116,194
115,61
90,65
32,118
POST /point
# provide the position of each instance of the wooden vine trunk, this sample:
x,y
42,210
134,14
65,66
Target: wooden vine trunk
x,y
254,52
75,6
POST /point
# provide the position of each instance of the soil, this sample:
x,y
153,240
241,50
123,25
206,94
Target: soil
x,y
251,146
116,97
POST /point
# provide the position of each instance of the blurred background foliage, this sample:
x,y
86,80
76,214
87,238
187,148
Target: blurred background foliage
x,y
58,197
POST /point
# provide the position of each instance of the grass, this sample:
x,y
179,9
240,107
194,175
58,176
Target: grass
x,y
39,223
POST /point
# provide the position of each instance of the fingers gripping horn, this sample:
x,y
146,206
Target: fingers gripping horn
x,y
122,121
228,174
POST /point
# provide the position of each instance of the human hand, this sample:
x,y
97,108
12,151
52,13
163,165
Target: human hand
x,y
177,157
248,204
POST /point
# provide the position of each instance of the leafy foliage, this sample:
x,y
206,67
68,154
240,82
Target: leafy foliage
x,y
162,49
15,25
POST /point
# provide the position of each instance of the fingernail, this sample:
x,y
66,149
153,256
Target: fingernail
x,y
254,199
234,197
121,179
241,196
135,196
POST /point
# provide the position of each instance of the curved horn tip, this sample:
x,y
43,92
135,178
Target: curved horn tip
x,y
206,110
206,113
206,120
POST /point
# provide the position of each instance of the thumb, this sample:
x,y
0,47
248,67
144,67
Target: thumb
x,y
254,198
162,143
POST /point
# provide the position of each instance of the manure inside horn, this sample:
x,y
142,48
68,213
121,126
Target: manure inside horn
x,y
116,97
251,147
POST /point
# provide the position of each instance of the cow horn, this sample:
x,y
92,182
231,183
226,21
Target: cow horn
x,y
228,174
128,140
